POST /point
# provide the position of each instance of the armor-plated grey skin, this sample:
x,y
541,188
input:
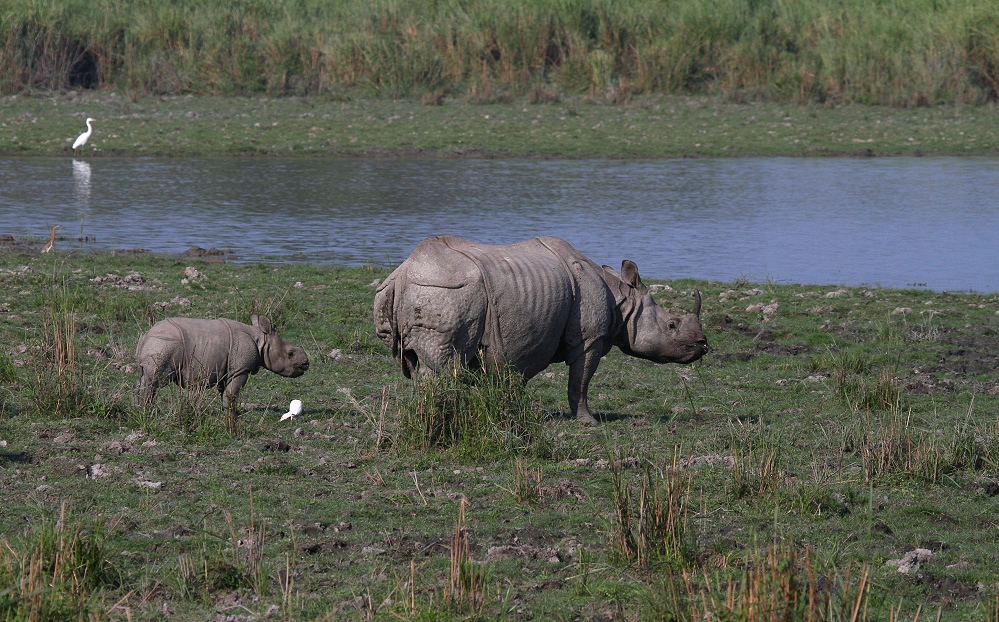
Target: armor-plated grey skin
x,y
525,305
212,353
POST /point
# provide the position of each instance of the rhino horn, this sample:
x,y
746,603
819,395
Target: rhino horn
x,y
697,302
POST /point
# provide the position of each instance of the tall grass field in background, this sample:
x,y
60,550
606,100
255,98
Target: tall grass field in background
x,y
917,52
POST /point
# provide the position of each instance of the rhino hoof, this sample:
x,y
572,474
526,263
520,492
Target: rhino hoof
x,y
586,418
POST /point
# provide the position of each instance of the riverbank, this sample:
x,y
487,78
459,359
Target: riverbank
x,y
829,431
573,127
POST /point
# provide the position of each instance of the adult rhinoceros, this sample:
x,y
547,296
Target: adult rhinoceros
x,y
526,305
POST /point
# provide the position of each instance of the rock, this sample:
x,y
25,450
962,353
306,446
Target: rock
x,y
694,462
911,561
192,275
838,293
336,355
658,288
97,471
131,281
151,485
902,311
197,251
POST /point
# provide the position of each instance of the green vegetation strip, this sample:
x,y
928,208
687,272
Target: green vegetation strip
x,y
791,474
578,127
918,52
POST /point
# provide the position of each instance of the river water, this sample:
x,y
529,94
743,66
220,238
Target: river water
x,y
897,222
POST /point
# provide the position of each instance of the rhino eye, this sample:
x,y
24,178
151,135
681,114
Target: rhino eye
x,y
671,325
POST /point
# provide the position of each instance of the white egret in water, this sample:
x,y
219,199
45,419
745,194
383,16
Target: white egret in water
x,y
51,242
81,140
294,410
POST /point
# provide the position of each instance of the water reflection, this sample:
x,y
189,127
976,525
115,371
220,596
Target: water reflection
x,y
81,182
896,222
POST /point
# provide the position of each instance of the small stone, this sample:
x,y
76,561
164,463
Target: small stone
x,y
902,311
97,471
335,355
911,561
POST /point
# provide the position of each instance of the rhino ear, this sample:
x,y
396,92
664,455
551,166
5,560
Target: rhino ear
x,y
262,322
629,272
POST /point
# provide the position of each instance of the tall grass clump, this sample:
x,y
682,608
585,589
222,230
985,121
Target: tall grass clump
x,y
774,585
62,387
915,53
896,448
473,414
655,531
8,371
55,574
467,587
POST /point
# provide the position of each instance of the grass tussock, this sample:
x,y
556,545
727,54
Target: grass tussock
x,y
56,573
62,386
656,531
473,414
914,54
467,587
779,584
897,447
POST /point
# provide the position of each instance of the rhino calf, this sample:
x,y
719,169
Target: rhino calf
x,y
212,353
526,305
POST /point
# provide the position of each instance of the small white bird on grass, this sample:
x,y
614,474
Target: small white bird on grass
x,y
294,410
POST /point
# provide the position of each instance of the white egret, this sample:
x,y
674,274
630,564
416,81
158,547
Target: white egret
x,y
81,140
51,242
294,410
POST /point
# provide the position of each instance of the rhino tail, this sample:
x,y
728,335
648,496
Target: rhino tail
x,y
387,298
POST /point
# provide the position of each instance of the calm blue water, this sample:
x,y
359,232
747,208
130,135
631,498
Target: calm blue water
x,y
925,222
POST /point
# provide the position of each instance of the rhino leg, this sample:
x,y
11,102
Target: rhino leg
x,y
581,371
230,395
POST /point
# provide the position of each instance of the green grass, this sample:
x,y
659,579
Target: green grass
x,y
576,127
920,52
809,449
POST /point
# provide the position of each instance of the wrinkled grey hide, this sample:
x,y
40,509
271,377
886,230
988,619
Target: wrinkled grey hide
x,y
526,305
212,353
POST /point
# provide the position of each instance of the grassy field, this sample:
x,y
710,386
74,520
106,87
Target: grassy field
x,y
913,53
576,127
824,436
